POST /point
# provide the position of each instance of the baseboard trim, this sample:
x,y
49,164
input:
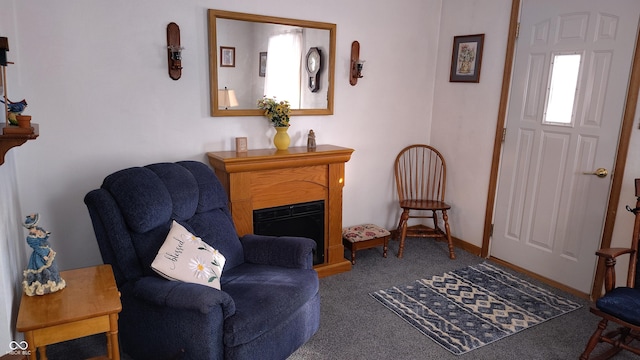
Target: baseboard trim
x,y
476,250
543,279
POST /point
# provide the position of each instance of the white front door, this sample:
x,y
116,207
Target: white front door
x,y
570,75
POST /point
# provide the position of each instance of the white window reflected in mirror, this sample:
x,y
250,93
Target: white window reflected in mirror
x,y
282,78
563,86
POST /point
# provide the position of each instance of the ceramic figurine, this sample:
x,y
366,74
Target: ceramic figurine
x,y
311,140
41,276
14,109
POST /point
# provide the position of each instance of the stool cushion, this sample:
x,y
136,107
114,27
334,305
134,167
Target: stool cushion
x,y
364,232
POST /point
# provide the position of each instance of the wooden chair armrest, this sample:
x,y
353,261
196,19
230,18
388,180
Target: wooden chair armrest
x,y
610,253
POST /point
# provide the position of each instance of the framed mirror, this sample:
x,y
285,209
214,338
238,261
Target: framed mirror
x,y
271,57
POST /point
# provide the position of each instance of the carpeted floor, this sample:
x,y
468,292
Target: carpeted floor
x,y
355,326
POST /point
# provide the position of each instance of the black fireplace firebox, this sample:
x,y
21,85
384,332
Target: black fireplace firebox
x,y
303,219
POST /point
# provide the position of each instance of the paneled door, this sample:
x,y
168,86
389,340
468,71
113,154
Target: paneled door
x,y
570,76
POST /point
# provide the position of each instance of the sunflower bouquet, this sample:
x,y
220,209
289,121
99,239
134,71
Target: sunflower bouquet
x,y
278,112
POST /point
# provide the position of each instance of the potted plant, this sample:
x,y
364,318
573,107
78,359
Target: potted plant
x,y
279,114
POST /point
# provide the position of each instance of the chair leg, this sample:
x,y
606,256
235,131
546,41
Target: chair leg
x,y
403,230
445,217
594,339
385,247
396,235
434,216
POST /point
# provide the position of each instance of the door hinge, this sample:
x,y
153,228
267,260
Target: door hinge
x,y
491,231
518,30
504,133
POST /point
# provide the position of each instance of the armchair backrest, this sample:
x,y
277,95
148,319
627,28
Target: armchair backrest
x,y
133,210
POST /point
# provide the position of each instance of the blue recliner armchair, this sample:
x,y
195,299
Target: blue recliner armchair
x,y
268,305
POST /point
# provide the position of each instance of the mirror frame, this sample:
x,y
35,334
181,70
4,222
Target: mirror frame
x,y
213,60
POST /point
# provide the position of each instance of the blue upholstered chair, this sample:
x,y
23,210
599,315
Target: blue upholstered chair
x,y
268,305
619,305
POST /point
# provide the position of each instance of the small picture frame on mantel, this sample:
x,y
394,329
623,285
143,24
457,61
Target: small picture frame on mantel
x,y
241,145
466,58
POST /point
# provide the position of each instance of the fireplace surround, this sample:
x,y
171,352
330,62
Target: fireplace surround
x,y
265,178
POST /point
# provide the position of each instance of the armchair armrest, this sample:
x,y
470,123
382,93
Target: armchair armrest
x,y
285,251
182,295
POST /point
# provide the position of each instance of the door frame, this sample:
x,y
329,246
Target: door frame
x,y
621,153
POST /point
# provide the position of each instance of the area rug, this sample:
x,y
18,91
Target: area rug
x,y
467,308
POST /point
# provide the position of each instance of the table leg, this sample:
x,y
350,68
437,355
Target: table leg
x,y
43,352
31,345
112,338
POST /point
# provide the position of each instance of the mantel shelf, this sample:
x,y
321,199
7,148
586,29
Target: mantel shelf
x,y
7,141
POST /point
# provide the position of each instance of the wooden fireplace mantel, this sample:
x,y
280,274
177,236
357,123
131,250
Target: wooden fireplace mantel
x,y
259,179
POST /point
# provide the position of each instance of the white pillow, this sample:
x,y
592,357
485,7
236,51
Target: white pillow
x,y
187,258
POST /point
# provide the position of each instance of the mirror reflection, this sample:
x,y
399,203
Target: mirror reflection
x,y
252,56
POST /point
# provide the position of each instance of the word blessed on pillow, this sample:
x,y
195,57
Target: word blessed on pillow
x,y
185,257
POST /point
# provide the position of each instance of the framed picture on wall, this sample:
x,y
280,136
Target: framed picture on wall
x,y
466,58
262,64
227,56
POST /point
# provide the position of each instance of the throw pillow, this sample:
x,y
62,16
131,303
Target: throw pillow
x,y
185,257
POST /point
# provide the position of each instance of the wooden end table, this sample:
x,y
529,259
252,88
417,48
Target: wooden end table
x,y
88,305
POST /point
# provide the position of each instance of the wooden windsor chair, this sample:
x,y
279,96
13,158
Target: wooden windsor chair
x,y
421,177
620,305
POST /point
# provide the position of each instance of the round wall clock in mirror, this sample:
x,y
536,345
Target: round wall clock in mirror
x,y
314,64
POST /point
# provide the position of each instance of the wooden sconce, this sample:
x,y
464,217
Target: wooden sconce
x,y
356,64
174,51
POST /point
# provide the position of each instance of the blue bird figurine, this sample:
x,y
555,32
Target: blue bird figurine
x,y
16,107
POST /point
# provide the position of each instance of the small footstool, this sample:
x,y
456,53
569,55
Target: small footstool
x,y
365,236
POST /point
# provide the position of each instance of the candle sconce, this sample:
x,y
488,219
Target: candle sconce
x,y
174,51
356,64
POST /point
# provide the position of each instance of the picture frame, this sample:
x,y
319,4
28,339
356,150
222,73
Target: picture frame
x,y
466,58
241,145
262,64
227,56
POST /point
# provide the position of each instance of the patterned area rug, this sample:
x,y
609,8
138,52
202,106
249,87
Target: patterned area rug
x,y
465,309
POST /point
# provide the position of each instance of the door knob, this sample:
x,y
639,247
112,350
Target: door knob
x,y
600,172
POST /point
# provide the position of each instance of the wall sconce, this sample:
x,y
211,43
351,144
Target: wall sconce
x,y
174,51
356,64
227,98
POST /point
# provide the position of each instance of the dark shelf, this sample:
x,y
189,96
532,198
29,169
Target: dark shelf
x,y
7,141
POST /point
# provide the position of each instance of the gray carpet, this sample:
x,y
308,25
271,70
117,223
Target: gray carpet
x,y
355,326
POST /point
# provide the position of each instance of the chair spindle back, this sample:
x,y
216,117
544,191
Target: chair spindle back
x,y
421,173
633,259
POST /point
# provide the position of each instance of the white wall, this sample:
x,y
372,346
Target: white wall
x,y
465,114
12,250
94,73
12,234
623,227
